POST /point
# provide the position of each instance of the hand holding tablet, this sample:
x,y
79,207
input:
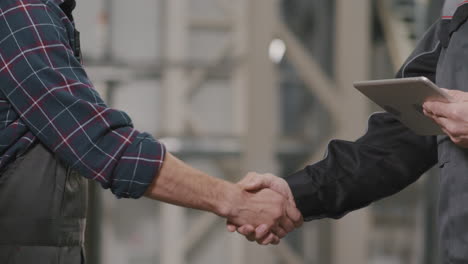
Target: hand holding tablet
x,y
452,117
404,98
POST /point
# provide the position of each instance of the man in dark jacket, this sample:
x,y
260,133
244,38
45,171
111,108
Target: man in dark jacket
x,y
389,156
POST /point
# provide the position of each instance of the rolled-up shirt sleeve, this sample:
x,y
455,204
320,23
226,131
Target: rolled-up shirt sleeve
x,y
50,91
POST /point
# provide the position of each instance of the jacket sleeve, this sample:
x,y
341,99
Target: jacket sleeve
x,y
386,159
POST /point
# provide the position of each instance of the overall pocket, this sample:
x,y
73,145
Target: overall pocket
x,y
443,150
75,192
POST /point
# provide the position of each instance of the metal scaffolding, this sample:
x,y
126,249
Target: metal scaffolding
x,y
253,142
252,26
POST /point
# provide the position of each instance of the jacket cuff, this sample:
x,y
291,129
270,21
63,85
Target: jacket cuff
x,y
306,195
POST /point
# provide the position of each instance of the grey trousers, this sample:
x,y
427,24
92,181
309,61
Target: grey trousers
x,y
42,211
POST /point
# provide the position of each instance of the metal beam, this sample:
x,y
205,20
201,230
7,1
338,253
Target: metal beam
x,y
174,77
262,90
262,104
174,111
198,230
200,74
217,25
350,235
396,33
310,71
240,72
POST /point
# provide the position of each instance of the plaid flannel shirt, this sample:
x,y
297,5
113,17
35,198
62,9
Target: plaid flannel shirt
x,y
46,97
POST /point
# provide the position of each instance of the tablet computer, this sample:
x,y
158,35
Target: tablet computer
x,y
404,98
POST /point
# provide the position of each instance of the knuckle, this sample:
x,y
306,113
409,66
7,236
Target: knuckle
x,y
299,221
243,232
289,227
281,234
260,241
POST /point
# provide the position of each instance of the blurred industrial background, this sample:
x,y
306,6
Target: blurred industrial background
x,y
232,86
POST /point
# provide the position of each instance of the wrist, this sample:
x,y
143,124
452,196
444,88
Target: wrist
x,y
231,199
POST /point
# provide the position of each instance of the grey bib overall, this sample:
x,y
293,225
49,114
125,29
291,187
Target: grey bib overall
x,y
445,46
42,211
452,73
42,205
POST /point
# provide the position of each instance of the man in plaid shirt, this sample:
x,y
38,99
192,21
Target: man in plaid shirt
x,y
55,128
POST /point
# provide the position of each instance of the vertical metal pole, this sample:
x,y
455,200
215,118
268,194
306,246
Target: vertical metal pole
x,y
239,90
174,87
262,94
262,104
350,234
240,73
174,79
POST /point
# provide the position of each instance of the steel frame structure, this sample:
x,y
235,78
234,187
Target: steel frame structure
x,y
251,26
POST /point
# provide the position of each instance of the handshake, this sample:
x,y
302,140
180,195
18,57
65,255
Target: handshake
x,y
261,206
266,211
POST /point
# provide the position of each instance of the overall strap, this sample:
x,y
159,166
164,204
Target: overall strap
x,y
67,7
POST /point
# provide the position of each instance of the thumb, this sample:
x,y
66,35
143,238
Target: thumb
x,y
458,96
256,183
295,216
291,199
286,191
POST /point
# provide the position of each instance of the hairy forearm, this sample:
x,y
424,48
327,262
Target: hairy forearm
x,y
178,183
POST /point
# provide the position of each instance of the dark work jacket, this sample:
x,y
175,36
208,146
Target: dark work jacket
x,y
389,157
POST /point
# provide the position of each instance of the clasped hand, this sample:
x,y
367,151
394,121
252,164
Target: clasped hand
x,y
452,117
269,213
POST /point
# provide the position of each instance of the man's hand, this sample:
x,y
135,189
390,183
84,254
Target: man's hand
x,y
263,235
179,184
266,209
451,117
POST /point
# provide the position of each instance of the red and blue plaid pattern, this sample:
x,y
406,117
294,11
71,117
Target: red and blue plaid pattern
x,y
46,97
